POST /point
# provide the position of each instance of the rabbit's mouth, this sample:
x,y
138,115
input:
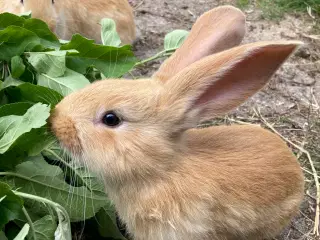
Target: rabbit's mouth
x,y
65,130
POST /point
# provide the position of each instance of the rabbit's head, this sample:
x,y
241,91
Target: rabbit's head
x,y
42,9
131,130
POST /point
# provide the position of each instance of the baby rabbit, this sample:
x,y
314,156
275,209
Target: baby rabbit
x,y
68,17
170,180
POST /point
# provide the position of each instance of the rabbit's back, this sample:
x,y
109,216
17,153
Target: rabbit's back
x,y
69,17
254,179
246,163
85,18
237,182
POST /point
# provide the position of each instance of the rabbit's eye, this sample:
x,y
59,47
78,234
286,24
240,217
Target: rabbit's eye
x,y
21,1
111,119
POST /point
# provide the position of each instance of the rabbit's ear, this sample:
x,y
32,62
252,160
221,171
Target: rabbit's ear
x,y
217,30
218,83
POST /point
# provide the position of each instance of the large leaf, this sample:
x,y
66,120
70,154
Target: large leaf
x,y
41,29
29,144
51,63
66,84
44,228
106,217
8,19
25,145
174,39
28,92
111,61
37,26
12,127
109,35
14,109
10,204
41,179
15,40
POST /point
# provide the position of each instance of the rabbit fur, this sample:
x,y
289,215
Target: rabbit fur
x,y
68,17
170,180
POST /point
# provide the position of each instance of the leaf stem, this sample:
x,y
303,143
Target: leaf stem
x,y
64,217
26,214
161,54
3,71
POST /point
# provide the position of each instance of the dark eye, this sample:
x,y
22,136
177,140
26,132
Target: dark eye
x,y
111,119
21,1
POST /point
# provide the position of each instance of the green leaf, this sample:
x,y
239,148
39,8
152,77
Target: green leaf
x,y
109,35
20,34
66,84
111,61
174,39
17,66
3,236
8,19
14,109
28,92
41,29
10,204
52,63
26,145
23,233
12,127
44,228
39,178
88,179
106,219
15,40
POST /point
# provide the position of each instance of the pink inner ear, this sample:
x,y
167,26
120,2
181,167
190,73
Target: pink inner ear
x,y
215,31
207,46
237,83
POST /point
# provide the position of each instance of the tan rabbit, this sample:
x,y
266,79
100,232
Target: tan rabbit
x,y
68,17
170,180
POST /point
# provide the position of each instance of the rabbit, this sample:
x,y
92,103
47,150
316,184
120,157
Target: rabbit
x,y
66,18
170,179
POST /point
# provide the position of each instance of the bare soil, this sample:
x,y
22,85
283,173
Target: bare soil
x,y
289,104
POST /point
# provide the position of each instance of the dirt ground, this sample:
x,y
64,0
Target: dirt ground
x,y
289,105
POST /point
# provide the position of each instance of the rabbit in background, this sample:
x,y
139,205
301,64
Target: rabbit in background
x,y
170,180
68,17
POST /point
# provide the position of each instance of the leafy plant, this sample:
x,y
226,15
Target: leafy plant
x,y
42,191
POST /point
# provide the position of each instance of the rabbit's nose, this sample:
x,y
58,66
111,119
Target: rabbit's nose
x,y
65,130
